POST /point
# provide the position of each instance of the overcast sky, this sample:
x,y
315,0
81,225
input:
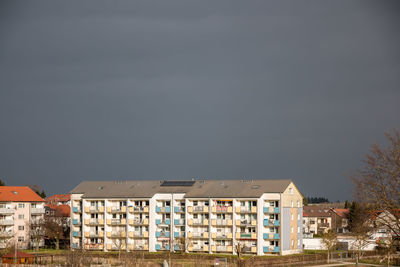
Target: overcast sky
x,y
115,90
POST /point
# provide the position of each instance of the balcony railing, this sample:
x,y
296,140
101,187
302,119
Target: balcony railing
x,y
200,208
76,209
223,208
271,210
6,222
76,222
224,222
76,234
163,209
270,249
166,221
179,221
163,234
179,209
6,234
6,211
162,247
96,221
139,209
37,210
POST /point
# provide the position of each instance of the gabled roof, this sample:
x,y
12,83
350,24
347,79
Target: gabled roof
x,y
343,213
199,189
19,194
315,211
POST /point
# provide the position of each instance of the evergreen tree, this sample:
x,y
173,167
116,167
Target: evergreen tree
x,y
2,183
346,204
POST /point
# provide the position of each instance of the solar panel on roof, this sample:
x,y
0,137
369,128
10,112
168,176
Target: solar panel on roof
x,y
178,183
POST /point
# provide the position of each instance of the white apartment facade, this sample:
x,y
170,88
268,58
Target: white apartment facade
x,y
210,216
20,209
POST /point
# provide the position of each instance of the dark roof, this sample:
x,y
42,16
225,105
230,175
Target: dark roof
x,y
316,211
199,189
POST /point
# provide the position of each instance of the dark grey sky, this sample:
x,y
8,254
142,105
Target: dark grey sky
x,y
104,90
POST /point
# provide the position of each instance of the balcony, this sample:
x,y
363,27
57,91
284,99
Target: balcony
x,y
198,235
162,247
179,209
200,222
116,221
138,209
37,211
271,236
4,234
76,209
222,209
76,222
200,209
6,222
246,209
138,247
248,222
227,235
7,211
222,222
323,225
138,221
179,234
179,221
116,234
224,248
163,222
95,222
139,234
268,222
271,210
94,246
115,209
163,209
76,234
94,209
162,234
94,234
198,248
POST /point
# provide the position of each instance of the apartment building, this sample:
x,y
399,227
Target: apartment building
x,y
210,216
20,209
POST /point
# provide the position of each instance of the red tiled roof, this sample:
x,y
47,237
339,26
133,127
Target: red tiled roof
x,y
19,194
59,197
344,213
20,254
65,210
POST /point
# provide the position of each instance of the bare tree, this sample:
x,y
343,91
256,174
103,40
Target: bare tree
x,y
329,239
56,227
378,183
183,243
37,232
240,248
119,244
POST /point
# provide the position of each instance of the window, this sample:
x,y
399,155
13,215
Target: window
x,y
33,205
20,216
292,242
21,205
291,191
298,217
298,243
291,204
20,239
298,229
20,227
195,203
298,204
291,229
291,217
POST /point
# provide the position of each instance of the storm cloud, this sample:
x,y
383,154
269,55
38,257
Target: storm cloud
x,y
115,90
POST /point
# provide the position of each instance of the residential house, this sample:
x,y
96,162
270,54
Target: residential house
x,y
20,209
316,219
340,220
